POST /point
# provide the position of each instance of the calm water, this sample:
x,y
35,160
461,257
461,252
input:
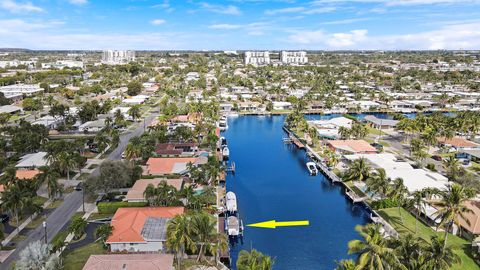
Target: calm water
x,y
271,182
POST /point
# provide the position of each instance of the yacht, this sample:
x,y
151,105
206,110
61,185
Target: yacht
x,y
234,226
225,153
223,141
231,202
312,168
222,124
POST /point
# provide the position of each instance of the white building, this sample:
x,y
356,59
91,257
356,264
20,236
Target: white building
x,y
117,57
299,57
16,63
257,58
60,64
20,89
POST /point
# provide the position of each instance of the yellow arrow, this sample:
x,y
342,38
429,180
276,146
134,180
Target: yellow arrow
x,y
272,224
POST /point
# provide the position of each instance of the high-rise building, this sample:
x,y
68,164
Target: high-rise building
x,y
257,58
117,57
298,57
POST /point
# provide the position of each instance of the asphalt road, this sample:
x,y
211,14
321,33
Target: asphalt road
x,y
72,202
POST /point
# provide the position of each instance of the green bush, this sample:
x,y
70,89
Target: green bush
x,y
385,203
431,167
111,207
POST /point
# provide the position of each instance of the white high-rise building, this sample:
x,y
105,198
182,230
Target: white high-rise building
x,y
117,57
257,58
298,57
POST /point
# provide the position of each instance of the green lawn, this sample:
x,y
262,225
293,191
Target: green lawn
x,y
374,131
462,246
76,259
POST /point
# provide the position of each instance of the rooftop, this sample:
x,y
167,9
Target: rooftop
x,y
136,192
130,262
159,166
457,142
354,146
26,174
32,160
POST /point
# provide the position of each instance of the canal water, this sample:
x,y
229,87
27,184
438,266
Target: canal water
x,y
272,182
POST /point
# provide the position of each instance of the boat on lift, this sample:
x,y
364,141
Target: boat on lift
x,y
231,202
312,168
234,226
223,141
225,153
222,124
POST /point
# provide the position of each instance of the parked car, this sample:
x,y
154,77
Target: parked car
x,y
466,162
437,158
79,186
4,218
377,146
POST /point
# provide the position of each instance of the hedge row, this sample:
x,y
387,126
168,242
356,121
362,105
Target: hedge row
x,y
385,203
111,207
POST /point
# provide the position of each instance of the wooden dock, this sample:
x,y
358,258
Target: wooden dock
x,y
354,197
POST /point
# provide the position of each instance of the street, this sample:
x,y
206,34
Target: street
x,y
72,202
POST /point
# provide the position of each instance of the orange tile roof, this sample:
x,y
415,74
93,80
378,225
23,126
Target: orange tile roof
x,y
473,217
357,146
2,188
130,262
137,190
26,174
457,142
156,166
127,223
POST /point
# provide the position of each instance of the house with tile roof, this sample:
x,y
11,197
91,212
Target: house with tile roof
x,y
135,193
351,147
141,229
177,165
458,143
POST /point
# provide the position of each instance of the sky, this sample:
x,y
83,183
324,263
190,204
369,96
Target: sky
x,y
240,24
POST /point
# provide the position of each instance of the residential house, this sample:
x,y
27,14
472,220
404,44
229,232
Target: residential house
x,y
458,143
470,224
281,105
136,192
10,109
380,123
329,128
176,149
141,229
177,165
34,160
351,147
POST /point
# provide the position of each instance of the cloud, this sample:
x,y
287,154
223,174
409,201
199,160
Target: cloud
x,y
225,26
449,37
230,10
17,7
284,10
165,5
300,9
346,21
78,2
11,26
398,2
158,21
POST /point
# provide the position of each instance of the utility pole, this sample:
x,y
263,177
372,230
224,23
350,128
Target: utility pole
x,y
45,227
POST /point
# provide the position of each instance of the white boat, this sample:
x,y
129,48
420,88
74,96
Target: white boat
x,y
312,168
225,153
222,124
233,226
223,141
231,202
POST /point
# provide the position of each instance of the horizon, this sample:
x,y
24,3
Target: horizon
x,y
329,25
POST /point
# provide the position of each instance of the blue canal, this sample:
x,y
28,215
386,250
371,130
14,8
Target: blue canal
x,y
272,182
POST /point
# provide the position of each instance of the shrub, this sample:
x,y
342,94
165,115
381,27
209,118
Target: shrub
x,y
431,167
111,207
384,203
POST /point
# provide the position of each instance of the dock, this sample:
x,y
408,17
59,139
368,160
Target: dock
x,y
354,197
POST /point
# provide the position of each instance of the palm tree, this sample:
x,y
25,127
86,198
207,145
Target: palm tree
x,y
373,251
204,231
133,149
253,260
134,112
453,208
118,118
78,226
346,265
49,176
15,199
358,171
179,236
378,183
66,162
439,256
102,232
452,166
418,202
398,192
409,251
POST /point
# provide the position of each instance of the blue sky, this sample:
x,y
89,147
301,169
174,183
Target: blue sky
x,y
240,24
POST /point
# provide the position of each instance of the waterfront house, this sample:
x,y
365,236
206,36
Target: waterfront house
x,y
281,105
380,123
470,224
130,262
458,143
351,147
26,174
135,193
34,160
177,165
92,126
329,128
141,229
176,149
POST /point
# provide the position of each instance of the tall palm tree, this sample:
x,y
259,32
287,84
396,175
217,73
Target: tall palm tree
x,y
15,200
358,171
409,251
452,166
179,236
452,207
346,265
204,230
438,256
65,162
373,250
118,118
134,112
253,260
418,202
49,176
378,183
398,192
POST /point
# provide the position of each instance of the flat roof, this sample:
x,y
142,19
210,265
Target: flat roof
x,y
32,160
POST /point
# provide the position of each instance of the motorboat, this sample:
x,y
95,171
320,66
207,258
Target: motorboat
x,y
312,168
222,124
225,153
223,141
231,202
234,226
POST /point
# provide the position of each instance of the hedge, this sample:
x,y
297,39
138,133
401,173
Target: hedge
x,y
385,203
111,207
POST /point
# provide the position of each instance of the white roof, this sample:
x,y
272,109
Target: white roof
x,y
334,122
32,160
9,109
